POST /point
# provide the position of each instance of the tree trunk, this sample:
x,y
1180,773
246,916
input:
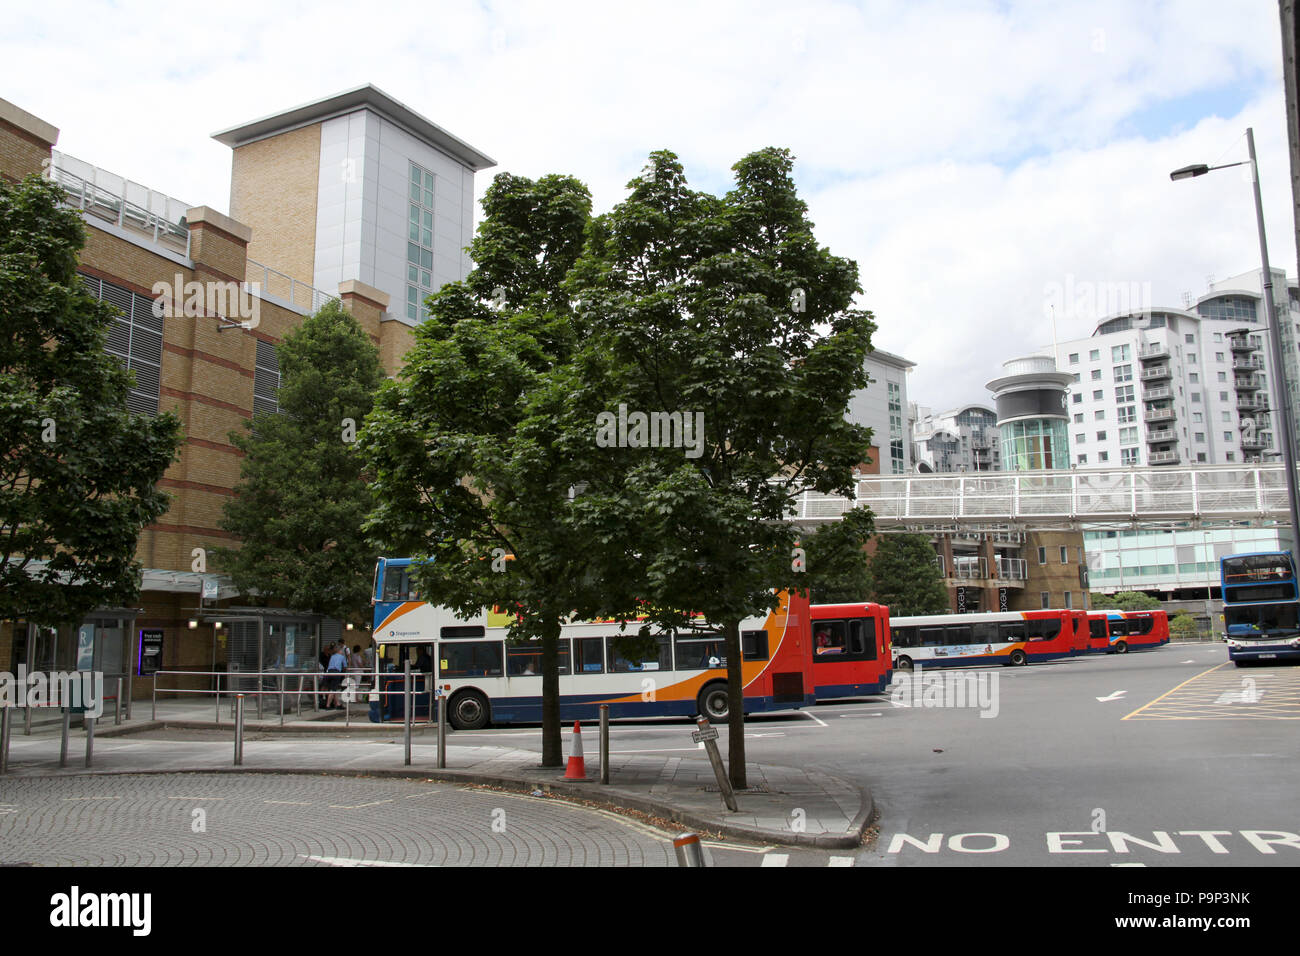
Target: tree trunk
x,y
736,708
552,749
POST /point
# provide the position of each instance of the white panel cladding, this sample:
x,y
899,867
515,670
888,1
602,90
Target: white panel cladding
x,y
341,203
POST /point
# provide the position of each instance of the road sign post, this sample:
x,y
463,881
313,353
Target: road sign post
x,y
709,737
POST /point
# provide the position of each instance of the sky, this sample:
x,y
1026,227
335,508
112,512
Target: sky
x,y
990,166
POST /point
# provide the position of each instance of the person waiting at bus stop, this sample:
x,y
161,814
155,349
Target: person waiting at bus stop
x,y
334,676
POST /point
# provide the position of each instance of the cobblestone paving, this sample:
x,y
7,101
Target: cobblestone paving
x,y
291,820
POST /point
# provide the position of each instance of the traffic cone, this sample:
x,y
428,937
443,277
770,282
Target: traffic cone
x,y
577,768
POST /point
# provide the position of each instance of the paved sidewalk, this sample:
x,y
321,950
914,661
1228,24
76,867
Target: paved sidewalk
x,y
798,807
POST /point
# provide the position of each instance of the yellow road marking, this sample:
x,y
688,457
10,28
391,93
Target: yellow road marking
x,y
1168,692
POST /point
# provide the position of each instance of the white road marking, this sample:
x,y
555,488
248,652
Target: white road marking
x,y
822,723
196,798
664,750
840,861
358,806
346,861
1128,864
70,799
738,849
776,859
1115,696
290,803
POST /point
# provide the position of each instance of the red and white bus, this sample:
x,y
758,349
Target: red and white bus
x,y
490,680
851,650
1007,637
1118,632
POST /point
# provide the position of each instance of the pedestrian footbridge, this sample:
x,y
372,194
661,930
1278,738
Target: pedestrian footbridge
x,y
1154,497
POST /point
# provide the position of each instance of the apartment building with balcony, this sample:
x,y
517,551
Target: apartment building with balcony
x,y
963,439
215,370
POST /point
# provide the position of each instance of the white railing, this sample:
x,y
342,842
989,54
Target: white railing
x,y
285,287
112,198
1059,499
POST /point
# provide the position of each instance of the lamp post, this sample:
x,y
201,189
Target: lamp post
x,y
1275,329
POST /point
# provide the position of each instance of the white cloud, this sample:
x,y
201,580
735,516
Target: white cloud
x,y
965,154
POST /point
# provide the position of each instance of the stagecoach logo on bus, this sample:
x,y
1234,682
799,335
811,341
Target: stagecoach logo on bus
x,y
76,689
655,430
946,689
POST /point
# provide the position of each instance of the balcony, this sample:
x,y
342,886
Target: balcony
x,y
1255,444
1251,403
1247,383
1157,394
1247,364
1161,435
1012,569
1155,373
1164,457
1242,343
1159,415
1156,350
969,568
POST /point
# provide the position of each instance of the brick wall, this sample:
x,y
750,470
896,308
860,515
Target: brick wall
x,y
273,188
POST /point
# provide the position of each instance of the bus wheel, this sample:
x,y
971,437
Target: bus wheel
x,y
1018,658
903,664
1121,647
713,702
468,711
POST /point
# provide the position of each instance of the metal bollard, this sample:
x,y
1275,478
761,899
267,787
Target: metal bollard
x,y
407,707
154,713
27,720
239,730
442,732
281,682
67,730
604,743
688,850
4,738
90,740
117,701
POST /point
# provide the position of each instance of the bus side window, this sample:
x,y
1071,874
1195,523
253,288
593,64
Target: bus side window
x,y
930,636
904,636
753,645
1013,632
588,653
862,639
470,659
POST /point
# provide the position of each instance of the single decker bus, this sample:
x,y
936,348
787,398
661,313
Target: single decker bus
x,y
1006,637
851,650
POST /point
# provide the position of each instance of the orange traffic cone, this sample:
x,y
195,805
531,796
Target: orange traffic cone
x,y
577,768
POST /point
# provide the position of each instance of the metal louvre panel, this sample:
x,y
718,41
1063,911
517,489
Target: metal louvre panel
x,y
141,403
267,357
91,284
119,338
142,314
264,406
146,345
117,296
147,379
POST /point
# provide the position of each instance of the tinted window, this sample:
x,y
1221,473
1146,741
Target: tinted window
x,y
588,655
698,651
630,652
1013,631
753,645
1097,628
470,659
1143,624
830,639
525,660
462,633
903,636
1043,630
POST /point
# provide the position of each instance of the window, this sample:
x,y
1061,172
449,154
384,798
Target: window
x,y
1094,355
1223,396
1128,456
1083,459
1076,376
1218,356
1096,396
1045,599
700,650
629,653
1124,373
1223,376
1191,358
419,245
470,659
1227,416
1099,415
525,660
1076,398
1042,555
1196,397
1103,456
1199,437
1078,418
1227,436
1128,436
1218,337
1124,393
849,640
1189,338
1200,457
1065,555
1119,353
1196,418
588,655
1193,378
1101,436
1230,456
1081,438
1069,599
1096,375
753,646
1127,413
1074,358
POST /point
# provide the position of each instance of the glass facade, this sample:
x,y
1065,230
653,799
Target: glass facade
x,y
419,244
1035,444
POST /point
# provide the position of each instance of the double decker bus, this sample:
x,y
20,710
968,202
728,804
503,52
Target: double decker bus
x,y
1007,637
1261,612
488,679
851,650
1118,632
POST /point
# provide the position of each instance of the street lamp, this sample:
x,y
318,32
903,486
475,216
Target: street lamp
x,y
1275,329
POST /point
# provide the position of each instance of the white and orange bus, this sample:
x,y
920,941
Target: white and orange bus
x,y
851,650
488,679
1006,637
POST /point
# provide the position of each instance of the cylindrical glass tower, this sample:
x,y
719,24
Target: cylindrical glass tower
x,y
1033,421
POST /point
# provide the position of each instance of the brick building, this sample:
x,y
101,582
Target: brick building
x,y
215,368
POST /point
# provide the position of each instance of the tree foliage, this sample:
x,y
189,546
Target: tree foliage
x,y
301,500
903,574
1124,601
79,471
837,564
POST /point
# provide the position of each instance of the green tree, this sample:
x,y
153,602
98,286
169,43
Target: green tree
x,y
836,561
302,499
727,311
1184,627
904,575
478,447
1124,601
79,473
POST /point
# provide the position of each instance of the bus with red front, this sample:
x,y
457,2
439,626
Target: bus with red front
x,y
1006,637
489,679
1118,632
851,650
